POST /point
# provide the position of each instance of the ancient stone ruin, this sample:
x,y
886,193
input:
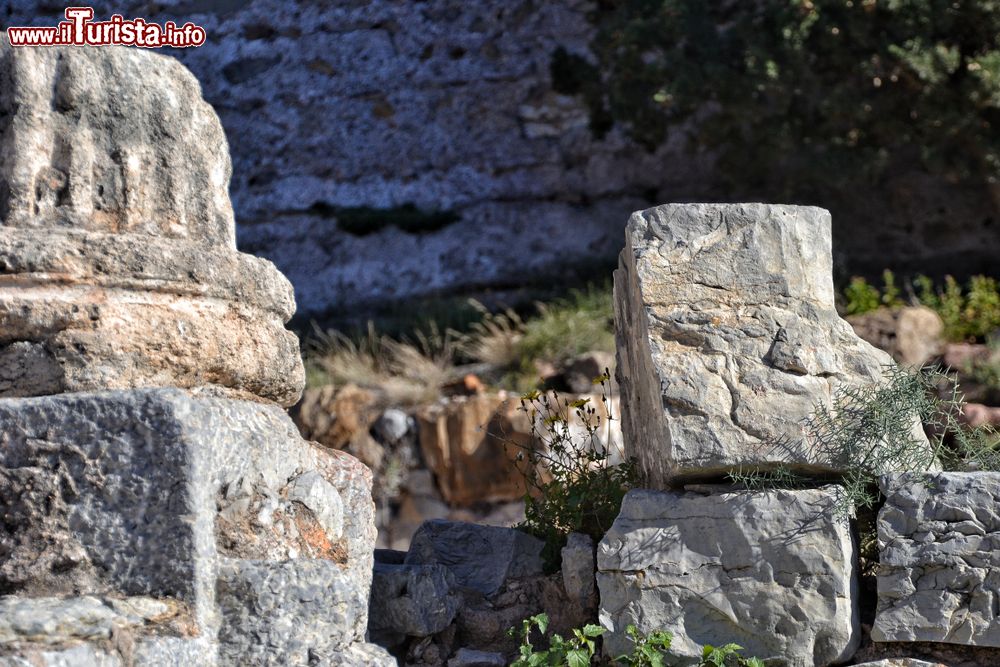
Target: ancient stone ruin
x,y
159,507
728,340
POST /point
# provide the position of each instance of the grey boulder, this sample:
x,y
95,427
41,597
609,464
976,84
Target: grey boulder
x,y
410,601
482,558
773,571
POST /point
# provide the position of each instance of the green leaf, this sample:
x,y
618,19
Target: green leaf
x,y
542,621
591,630
578,658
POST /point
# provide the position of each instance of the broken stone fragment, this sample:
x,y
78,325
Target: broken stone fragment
x,y
118,264
728,338
773,571
939,558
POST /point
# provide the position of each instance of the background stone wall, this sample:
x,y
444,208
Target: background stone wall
x,y
449,107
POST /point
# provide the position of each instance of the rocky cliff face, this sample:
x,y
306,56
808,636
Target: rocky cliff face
x,y
425,115
388,149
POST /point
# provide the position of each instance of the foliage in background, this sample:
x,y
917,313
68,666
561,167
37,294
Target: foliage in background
x,y
983,375
647,650
972,314
877,428
805,94
573,483
582,322
860,297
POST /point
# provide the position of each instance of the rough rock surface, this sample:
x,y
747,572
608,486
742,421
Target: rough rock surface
x,y
118,265
410,601
287,613
482,558
199,503
728,337
469,658
578,567
939,535
772,571
912,335
383,103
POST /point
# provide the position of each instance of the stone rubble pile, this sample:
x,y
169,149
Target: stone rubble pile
x,y
451,598
728,339
159,507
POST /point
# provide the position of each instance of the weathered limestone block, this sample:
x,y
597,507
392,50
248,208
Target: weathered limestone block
x,y
728,337
773,571
287,613
939,559
118,264
198,510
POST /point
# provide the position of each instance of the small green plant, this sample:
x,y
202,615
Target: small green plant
x,y
580,323
970,316
890,291
860,297
576,651
727,656
573,483
647,650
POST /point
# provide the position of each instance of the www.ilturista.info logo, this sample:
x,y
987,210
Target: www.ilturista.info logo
x,y
80,30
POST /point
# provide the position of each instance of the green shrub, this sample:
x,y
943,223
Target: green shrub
x,y
572,484
974,315
860,297
873,429
647,650
582,322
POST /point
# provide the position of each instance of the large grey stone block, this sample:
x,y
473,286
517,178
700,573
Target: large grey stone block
x,y
773,571
939,559
144,493
728,337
